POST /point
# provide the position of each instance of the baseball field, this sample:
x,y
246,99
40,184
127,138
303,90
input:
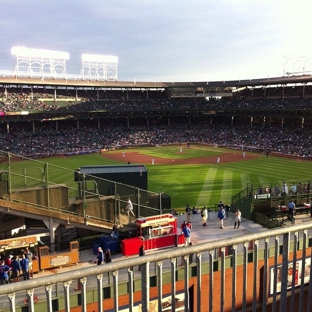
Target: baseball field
x,y
197,175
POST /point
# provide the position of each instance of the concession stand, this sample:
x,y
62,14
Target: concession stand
x,y
154,232
49,260
18,245
42,258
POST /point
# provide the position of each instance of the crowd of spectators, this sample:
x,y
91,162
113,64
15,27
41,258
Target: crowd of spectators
x,y
19,103
68,138
96,131
72,101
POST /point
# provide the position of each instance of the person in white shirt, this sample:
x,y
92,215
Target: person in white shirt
x,y
204,215
284,189
129,207
238,218
294,189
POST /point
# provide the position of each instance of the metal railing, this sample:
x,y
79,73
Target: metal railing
x,y
271,267
19,174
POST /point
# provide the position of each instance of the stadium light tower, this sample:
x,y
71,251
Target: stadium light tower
x,y
99,67
297,65
40,63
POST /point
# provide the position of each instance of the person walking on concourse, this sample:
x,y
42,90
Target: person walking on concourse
x,y
238,217
188,213
220,216
204,215
187,235
99,256
107,256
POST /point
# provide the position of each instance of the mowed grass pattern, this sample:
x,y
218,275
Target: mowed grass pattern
x,y
198,185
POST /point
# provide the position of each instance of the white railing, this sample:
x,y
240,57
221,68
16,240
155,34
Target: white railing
x,y
270,251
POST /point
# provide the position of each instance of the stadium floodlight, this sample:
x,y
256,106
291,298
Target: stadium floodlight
x,y
297,65
38,53
99,67
39,63
99,58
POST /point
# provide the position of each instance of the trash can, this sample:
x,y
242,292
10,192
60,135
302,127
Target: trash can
x,y
108,243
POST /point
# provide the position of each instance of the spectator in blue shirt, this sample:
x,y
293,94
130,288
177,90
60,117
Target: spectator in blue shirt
x,y
16,269
187,235
25,267
4,276
220,216
291,209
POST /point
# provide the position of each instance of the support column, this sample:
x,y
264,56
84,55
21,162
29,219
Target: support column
x,y
52,233
52,226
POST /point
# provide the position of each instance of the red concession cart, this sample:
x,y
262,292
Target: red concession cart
x,y
154,232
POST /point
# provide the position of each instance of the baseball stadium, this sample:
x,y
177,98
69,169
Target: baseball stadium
x,y
76,148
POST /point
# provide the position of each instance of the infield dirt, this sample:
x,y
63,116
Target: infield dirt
x,y
134,157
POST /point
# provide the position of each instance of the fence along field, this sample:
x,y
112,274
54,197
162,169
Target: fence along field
x,y
191,175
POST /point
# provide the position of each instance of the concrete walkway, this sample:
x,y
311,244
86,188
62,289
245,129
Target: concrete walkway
x,y
200,234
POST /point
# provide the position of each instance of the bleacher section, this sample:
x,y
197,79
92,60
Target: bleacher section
x,y
68,100
87,119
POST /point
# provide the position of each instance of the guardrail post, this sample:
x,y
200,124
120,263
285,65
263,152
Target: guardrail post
x,y
283,298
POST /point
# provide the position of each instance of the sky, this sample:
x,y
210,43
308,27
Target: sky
x,y
165,40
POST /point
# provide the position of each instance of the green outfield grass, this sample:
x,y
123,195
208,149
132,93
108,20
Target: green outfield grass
x,y
197,185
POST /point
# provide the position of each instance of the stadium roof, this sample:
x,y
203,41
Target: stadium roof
x,y
295,79
112,169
